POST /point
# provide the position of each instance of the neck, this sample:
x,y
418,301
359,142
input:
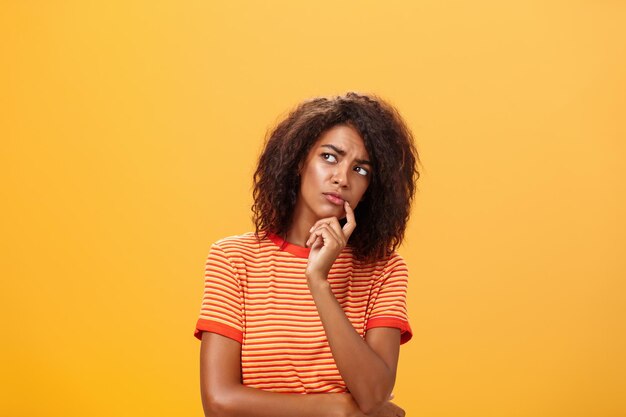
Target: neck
x,y
302,222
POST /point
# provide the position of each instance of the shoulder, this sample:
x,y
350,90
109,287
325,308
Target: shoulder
x,y
241,246
395,261
396,272
246,239
391,261
380,270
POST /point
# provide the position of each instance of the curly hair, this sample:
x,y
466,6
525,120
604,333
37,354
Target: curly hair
x,y
383,212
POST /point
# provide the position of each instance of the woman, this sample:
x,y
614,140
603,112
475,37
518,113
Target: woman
x,y
314,301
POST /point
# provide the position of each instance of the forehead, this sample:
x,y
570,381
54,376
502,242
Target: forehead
x,y
346,138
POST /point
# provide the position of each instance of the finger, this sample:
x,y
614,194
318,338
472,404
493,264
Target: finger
x,y
322,221
397,410
350,225
335,235
334,225
330,223
318,242
314,237
328,235
314,233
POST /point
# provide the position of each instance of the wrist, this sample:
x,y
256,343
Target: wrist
x,y
317,282
314,276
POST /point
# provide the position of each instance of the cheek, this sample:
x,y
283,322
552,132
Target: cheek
x,y
363,190
311,180
317,173
321,170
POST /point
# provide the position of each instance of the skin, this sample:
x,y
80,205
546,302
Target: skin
x,y
368,366
326,170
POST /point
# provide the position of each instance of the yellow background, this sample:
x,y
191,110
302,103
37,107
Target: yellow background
x,y
129,133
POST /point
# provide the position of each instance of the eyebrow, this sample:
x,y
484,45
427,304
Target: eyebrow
x,y
342,153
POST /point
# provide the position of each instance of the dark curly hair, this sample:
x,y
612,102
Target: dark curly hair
x,y
382,214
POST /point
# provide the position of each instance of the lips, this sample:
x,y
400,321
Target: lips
x,y
334,198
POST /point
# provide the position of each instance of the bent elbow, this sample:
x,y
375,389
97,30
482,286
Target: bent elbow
x,y
216,405
371,406
209,405
375,399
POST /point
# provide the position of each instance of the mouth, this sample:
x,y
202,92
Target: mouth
x,y
334,198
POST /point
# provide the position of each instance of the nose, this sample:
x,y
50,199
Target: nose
x,y
340,176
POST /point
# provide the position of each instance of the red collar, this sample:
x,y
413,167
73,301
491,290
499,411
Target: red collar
x,y
299,251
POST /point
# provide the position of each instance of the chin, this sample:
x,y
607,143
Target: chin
x,y
336,211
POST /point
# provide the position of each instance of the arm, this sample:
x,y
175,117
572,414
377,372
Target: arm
x,y
224,395
368,367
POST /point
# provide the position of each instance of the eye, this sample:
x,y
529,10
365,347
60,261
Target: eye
x,y
361,171
329,157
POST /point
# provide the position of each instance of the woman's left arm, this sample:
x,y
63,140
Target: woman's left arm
x,y
368,367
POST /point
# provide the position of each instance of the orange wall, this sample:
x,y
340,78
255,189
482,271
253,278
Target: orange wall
x,y
129,132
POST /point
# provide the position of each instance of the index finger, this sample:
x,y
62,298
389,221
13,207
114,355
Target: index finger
x,y
350,225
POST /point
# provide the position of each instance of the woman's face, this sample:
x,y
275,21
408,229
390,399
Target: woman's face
x,y
336,169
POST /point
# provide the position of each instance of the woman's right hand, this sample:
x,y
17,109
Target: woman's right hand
x,y
388,409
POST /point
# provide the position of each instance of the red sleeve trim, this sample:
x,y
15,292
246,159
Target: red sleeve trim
x,y
215,327
405,329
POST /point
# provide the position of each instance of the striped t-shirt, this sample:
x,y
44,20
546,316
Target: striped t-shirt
x,y
256,293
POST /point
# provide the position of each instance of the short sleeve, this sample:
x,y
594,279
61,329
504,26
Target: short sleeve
x,y
222,307
388,302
